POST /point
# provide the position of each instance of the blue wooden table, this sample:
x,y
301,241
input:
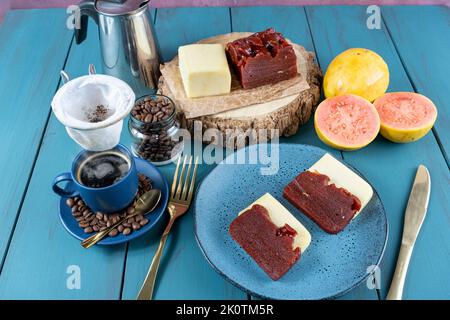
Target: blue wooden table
x,y
36,252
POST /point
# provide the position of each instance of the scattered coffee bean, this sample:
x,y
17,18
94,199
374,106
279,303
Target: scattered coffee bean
x,y
77,214
143,222
83,224
88,230
113,233
94,222
70,202
135,226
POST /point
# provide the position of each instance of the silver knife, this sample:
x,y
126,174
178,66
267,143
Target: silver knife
x,y
414,216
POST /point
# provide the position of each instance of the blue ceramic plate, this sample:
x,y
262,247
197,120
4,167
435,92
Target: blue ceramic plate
x,y
332,264
158,182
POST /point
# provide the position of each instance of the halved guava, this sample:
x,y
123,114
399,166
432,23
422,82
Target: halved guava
x,y
405,116
346,122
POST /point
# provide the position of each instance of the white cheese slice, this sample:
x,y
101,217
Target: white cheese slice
x,y
343,177
204,70
281,216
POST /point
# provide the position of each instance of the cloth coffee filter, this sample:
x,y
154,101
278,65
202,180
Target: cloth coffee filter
x,y
77,101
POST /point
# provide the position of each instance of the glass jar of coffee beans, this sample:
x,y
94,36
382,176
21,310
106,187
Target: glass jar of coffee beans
x,y
152,126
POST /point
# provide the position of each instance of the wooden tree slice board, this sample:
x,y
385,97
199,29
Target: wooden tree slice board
x,y
285,114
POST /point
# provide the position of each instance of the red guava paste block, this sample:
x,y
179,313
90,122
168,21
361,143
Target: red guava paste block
x,y
270,246
262,58
332,208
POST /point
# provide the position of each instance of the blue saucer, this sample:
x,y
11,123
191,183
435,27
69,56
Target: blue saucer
x,y
331,266
158,182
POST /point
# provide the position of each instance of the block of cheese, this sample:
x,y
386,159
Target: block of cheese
x,y
204,70
343,177
281,216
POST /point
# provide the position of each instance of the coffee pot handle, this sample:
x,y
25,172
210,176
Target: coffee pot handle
x,y
87,9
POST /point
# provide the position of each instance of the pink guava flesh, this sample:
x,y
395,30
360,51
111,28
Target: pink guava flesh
x,y
348,120
405,110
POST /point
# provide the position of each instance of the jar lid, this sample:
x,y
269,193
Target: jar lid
x,y
119,7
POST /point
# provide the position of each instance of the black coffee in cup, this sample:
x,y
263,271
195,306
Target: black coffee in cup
x,y
102,169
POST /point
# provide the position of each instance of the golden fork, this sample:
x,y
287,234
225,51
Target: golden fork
x,y
180,199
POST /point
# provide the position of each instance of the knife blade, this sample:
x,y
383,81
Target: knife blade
x,y
415,213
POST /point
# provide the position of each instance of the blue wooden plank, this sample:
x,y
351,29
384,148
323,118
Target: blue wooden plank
x,y
41,250
29,63
422,38
292,22
184,273
192,24
391,167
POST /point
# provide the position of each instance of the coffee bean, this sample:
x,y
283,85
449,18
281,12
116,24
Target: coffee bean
x,y
113,233
143,222
74,208
94,221
99,215
139,218
130,210
159,114
130,220
126,231
148,118
88,230
70,202
77,214
95,228
109,223
136,226
120,228
83,224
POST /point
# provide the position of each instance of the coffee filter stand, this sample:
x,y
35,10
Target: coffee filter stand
x,y
78,98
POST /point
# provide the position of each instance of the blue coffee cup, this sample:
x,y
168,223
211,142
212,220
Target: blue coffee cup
x,y
108,199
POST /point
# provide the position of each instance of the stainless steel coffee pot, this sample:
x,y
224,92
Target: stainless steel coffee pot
x,y
128,44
